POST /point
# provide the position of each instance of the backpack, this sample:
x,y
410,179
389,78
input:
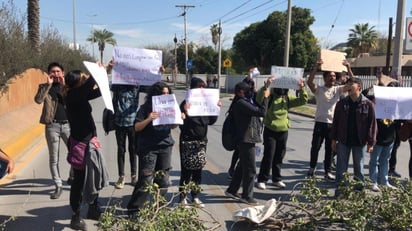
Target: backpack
x,y
108,121
229,133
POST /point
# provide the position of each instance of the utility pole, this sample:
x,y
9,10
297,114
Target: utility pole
x,y
287,37
398,49
186,52
388,48
74,25
175,63
219,65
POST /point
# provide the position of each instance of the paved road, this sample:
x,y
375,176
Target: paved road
x,y
27,197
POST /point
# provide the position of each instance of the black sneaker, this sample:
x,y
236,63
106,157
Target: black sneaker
x,y
77,223
232,195
311,172
94,211
393,173
250,201
329,176
69,181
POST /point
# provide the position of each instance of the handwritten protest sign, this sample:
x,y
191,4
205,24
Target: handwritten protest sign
x,y
332,61
203,102
168,109
100,75
393,102
135,66
286,77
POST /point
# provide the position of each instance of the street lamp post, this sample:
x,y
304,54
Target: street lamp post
x,y
175,63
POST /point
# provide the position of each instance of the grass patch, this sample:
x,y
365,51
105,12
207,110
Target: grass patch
x,y
304,109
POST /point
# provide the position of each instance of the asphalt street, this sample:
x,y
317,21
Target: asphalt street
x,y
27,198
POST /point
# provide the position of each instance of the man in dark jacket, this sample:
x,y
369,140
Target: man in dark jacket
x,y
354,129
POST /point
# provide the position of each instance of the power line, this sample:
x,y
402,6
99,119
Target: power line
x,y
245,12
336,18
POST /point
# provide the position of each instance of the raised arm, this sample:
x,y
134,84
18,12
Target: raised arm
x,y
311,84
347,65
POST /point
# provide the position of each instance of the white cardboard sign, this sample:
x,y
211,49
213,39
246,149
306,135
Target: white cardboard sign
x,y
203,102
393,102
286,77
168,109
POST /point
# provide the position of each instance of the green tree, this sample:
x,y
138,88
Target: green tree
x,y
33,23
101,37
204,60
362,38
262,43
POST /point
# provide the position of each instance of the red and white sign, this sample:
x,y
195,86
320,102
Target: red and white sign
x,y
408,39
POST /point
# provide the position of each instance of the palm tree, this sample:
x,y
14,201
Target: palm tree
x,y
215,34
33,23
101,37
362,38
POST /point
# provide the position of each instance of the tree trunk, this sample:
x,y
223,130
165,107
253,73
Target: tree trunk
x,y
33,22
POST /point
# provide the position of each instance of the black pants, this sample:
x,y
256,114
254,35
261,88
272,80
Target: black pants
x,y
273,153
410,159
151,162
393,159
121,134
321,132
76,190
245,171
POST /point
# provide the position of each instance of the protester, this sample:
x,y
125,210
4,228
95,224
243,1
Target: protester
x,y
215,80
354,129
249,81
326,98
9,164
54,118
155,150
125,103
246,113
275,134
84,148
193,133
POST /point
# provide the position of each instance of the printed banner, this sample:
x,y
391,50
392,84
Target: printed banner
x,y
393,102
286,77
203,102
135,66
100,75
168,109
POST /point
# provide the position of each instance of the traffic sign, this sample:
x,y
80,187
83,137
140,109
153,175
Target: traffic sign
x,y
189,64
227,63
408,39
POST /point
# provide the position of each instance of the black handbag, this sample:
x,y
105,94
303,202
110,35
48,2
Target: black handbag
x,y
193,154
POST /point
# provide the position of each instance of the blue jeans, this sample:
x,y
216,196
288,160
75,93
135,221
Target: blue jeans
x,y
379,163
343,152
54,132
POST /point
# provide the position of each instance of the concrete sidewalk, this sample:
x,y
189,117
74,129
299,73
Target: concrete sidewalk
x,y
20,130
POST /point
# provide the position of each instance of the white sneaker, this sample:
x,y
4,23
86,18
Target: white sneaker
x,y
261,185
184,204
198,203
279,184
375,188
391,186
120,183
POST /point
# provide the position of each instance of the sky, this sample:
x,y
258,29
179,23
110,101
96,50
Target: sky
x,y
141,23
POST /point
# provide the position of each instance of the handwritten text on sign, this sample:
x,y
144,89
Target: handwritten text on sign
x,y
393,102
203,102
286,77
168,109
135,66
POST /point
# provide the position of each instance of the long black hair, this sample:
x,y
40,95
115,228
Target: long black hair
x,y
239,87
155,89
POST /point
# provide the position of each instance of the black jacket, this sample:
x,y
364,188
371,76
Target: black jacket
x,y
247,121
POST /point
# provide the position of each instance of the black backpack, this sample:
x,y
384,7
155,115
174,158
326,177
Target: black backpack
x,y
229,132
108,121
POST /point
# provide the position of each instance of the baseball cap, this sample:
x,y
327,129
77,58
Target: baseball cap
x,y
355,80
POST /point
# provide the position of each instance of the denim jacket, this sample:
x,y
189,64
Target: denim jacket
x,y
365,122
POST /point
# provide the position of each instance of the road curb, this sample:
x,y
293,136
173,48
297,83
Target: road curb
x,y
18,145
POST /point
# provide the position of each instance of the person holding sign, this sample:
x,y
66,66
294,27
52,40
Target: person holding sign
x,y
192,144
155,150
85,157
275,134
353,130
246,113
326,98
